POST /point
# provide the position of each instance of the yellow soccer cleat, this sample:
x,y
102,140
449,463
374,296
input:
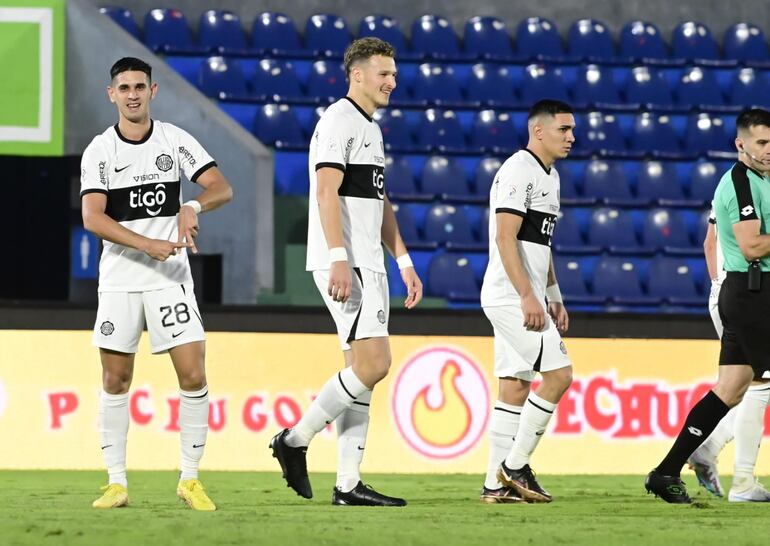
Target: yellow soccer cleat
x,y
115,496
194,495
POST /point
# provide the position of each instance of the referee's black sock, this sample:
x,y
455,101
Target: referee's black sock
x,y
701,422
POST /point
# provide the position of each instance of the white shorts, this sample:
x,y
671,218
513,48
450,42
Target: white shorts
x,y
171,315
714,308
367,310
519,352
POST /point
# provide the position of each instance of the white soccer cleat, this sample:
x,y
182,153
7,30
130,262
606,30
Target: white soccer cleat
x,y
706,471
756,492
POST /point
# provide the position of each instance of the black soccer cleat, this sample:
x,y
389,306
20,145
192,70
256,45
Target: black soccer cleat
x,y
524,483
364,495
293,464
503,495
669,488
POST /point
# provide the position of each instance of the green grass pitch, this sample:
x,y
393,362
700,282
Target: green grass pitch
x,y
54,507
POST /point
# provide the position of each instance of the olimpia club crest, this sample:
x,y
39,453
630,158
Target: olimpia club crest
x,y
164,162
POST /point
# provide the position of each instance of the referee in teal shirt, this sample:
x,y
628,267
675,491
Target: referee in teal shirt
x,y
742,208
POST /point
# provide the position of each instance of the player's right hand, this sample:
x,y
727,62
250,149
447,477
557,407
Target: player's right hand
x,y
340,281
160,250
534,313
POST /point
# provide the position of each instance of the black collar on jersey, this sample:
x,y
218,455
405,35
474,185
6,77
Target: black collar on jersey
x,y
354,103
533,154
743,166
144,139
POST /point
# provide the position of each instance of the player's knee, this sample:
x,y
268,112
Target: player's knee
x,y
381,367
192,381
116,382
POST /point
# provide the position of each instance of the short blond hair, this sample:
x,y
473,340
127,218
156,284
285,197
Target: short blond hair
x,y
364,48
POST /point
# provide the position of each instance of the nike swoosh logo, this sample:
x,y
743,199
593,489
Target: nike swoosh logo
x,y
360,448
105,447
122,169
179,334
539,433
367,145
545,193
198,445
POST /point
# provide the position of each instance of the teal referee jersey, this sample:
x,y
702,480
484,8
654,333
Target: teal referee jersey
x,y
742,194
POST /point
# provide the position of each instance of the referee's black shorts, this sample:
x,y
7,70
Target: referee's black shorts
x,y
746,319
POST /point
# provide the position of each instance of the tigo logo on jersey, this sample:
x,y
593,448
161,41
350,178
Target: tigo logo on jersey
x,y
148,198
441,403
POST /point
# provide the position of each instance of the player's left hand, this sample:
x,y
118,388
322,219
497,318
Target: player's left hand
x,y
559,315
413,287
187,223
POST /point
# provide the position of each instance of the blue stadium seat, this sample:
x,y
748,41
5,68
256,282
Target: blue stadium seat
x,y
705,133
642,40
220,78
745,42
444,176
437,84
406,223
399,179
433,35
648,86
567,186
704,178
542,82
665,228
276,80
600,132
590,39
594,85
485,175
538,37
658,180
698,86
440,130
618,279
167,30
702,226
487,37
749,87
122,17
494,132
572,282
567,232
448,224
654,133
327,81
693,40
612,228
276,124
385,28
327,33
491,85
395,129
276,32
606,180
672,280
222,30
451,276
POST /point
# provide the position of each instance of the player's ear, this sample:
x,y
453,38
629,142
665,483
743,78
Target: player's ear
x,y
739,144
153,90
110,94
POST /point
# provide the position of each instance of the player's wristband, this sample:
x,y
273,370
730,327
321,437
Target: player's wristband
x,y
553,294
338,254
193,204
404,261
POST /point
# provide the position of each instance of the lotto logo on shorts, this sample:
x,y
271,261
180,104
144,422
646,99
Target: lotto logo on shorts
x,y
441,403
107,328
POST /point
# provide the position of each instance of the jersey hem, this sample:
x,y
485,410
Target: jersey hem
x,y
93,190
202,170
134,289
511,211
338,166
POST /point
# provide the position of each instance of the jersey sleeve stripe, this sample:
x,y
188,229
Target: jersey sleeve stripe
x,y
93,190
742,187
511,211
202,170
337,166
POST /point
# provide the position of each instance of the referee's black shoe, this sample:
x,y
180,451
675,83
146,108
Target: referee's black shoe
x,y
364,495
523,482
669,488
293,464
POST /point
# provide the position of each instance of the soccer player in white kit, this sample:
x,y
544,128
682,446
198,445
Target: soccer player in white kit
x,y
350,218
519,285
132,199
745,422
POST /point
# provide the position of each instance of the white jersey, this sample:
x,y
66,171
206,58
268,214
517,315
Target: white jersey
x,y
721,273
142,182
348,139
522,186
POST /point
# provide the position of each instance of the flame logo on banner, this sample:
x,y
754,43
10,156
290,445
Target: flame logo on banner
x,y
431,422
440,403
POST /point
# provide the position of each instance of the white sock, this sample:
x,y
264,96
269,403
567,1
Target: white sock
x,y
352,426
717,440
335,397
749,427
113,429
535,415
503,426
193,426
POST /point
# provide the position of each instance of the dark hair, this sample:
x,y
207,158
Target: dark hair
x,y
750,118
130,63
364,48
550,107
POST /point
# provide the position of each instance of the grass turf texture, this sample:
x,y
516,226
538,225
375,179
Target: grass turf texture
x,y
54,507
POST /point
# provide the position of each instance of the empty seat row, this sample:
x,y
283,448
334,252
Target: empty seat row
x,y
433,36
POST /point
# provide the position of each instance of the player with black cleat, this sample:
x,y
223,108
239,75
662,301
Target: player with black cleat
x,y
502,495
364,495
293,463
669,488
523,482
